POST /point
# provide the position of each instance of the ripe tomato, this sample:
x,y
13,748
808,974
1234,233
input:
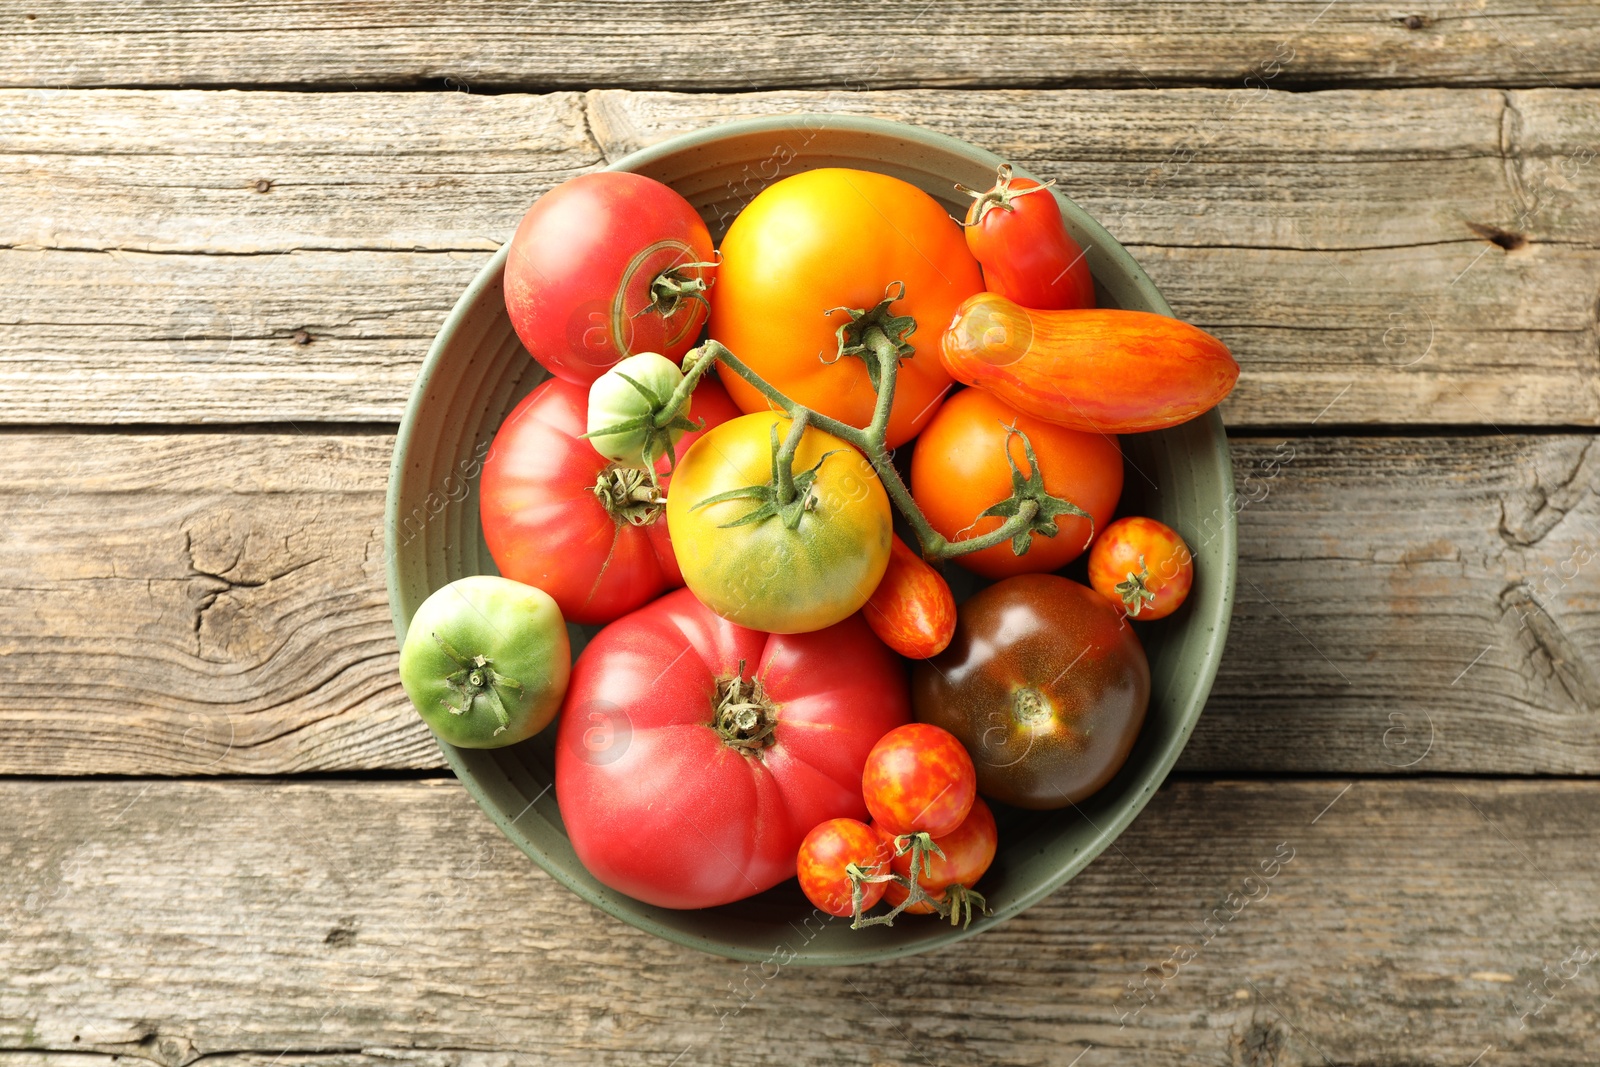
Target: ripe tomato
x,y
693,755
912,609
557,515
968,851
592,269
918,779
1045,683
825,856
486,661
1015,230
763,574
959,469
818,242
1104,371
1142,565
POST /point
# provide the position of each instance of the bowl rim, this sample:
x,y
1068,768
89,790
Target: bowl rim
x,y
1211,643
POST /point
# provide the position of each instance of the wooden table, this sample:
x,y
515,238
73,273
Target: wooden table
x,y
227,835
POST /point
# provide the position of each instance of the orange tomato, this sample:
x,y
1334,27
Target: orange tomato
x,y
959,469
829,239
912,610
1105,370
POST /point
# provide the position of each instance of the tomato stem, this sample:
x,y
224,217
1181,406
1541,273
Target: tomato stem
x,y
744,716
1028,511
475,676
629,495
1000,195
672,286
1135,592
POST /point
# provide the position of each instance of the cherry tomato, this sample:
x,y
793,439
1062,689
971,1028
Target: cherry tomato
x,y
1045,683
826,853
811,245
1142,565
603,266
1015,230
968,851
557,515
959,469
912,609
918,779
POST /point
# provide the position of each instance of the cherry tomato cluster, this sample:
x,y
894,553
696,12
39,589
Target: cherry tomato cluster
x,y
931,836
697,480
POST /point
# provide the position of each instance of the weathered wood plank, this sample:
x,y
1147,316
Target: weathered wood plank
x,y
1404,605
361,923
727,45
1328,237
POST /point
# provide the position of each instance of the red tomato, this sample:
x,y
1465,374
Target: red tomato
x,y
968,851
918,779
1142,565
959,469
598,555
826,853
693,755
586,266
1015,231
912,609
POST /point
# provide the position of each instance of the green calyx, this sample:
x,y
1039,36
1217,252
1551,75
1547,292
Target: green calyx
x,y
788,496
1135,592
1000,195
649,435
874,336
629,495
673,286
476,677
1028,492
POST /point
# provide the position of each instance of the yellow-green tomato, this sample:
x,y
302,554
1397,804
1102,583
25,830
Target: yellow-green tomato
x,y
629,392
486,661
766,574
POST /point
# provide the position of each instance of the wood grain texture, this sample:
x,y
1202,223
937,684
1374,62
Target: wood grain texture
x,y
145,279
723,44
1404,605
1411,923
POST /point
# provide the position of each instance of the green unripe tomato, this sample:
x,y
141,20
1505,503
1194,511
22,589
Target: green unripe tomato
x,y
615,401
486,661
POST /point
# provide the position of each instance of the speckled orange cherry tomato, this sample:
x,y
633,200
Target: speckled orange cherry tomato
x,y
919,779
968,851
1142,565
825,857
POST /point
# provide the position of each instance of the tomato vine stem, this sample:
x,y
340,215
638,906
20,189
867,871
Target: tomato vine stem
x,y
879,340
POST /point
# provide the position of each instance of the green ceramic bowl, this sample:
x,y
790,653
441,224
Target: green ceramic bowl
x,y
476,372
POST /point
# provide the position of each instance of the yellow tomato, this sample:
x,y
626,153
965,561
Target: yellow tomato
x,y
830,239
765,574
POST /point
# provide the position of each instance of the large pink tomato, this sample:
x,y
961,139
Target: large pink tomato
x,y
607,265
560,516
694,755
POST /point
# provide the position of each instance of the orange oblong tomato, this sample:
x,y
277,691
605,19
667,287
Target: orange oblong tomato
x,y
1102,370
816,243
